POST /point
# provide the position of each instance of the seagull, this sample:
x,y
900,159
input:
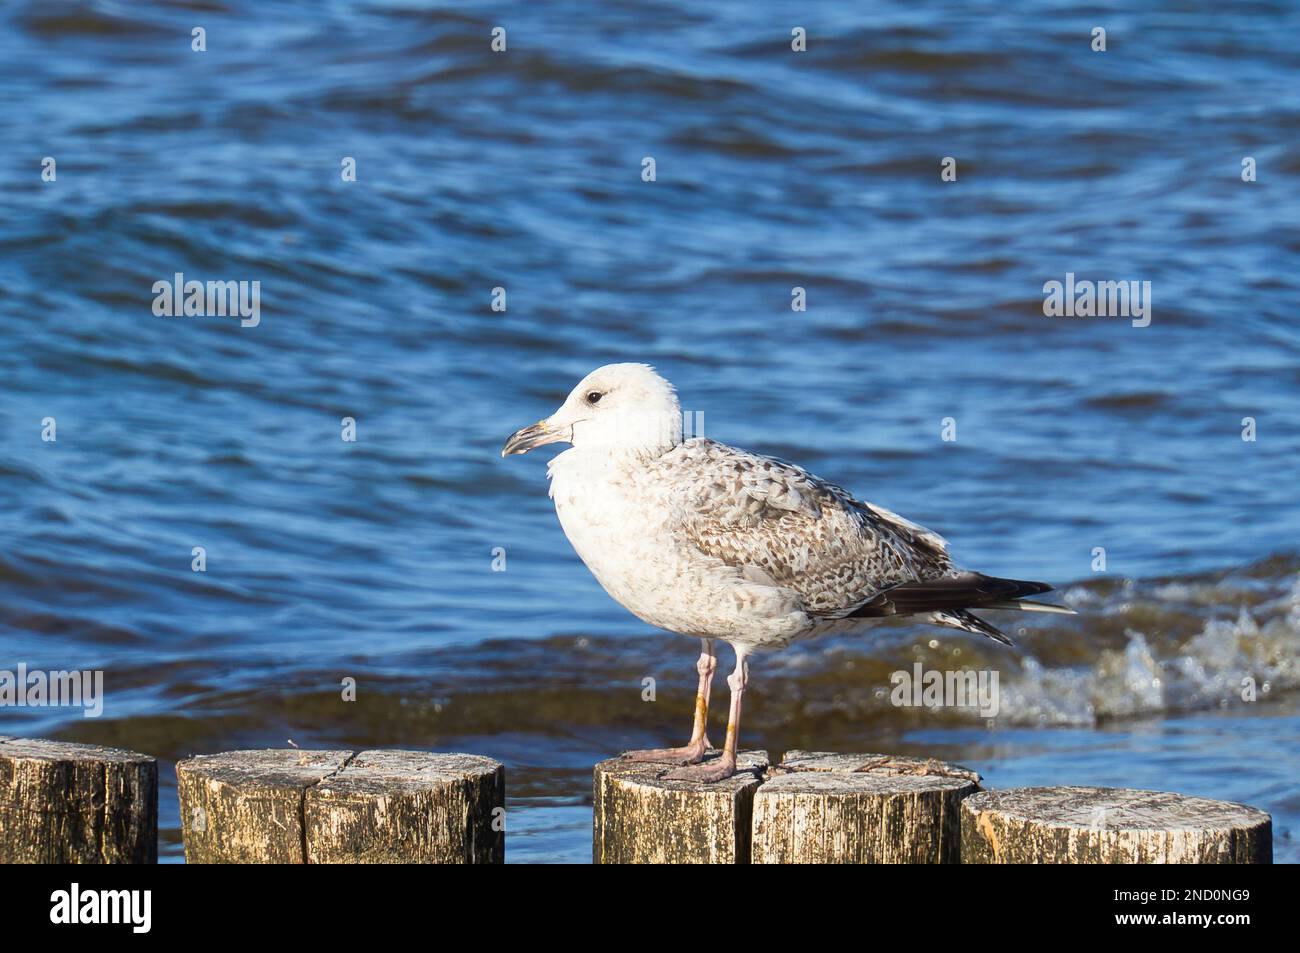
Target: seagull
x,y
719,543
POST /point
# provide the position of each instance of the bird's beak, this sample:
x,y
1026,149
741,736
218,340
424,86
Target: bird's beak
x,y
521,441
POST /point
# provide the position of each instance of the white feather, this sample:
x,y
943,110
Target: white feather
x,y
1024,605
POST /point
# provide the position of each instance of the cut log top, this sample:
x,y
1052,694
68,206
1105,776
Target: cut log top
x,y
1118,809
37,749
1110,825
265,769
382,773
367,772
873,765
828,772
828,783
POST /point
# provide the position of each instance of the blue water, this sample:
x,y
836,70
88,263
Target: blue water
x,y
522,170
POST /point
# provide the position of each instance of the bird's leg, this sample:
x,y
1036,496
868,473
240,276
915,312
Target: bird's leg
x,y
724,767
693,751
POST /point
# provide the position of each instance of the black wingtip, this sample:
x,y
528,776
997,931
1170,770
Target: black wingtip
x,y
969,622
969,590
985,628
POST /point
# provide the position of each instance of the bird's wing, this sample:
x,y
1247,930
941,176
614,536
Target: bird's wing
x,y
780,525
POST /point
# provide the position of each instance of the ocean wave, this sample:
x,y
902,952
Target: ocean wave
x,y
1136,649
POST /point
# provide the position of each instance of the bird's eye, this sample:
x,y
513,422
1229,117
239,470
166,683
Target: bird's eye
x,y
594,397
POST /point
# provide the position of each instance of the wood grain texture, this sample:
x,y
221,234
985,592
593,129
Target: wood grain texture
x,y
292,806
245,807
823,807
639,818
64,803
408,807
1084,825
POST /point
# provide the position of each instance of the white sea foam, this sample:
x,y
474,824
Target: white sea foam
x,y
1228,663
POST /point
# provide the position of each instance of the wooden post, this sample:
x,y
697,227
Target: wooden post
x,y
64,803
319,807
246,807
1079,825
639,818
824,808
394,807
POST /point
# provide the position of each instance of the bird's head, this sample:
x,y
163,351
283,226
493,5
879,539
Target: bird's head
x,y
618,408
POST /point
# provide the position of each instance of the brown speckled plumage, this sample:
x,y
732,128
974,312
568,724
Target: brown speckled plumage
x,y
779,523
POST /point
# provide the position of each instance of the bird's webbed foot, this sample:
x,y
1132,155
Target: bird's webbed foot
x,y
692,753
709,772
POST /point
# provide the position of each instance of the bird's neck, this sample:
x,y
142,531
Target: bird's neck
x,y
603,464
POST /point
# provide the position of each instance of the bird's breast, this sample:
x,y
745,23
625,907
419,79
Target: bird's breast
x,y
622,536
622,526
606,524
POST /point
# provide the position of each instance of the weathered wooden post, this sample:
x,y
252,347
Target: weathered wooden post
x,y
320,807
1082,825
824,808
639,818
246,807
388,807
64,803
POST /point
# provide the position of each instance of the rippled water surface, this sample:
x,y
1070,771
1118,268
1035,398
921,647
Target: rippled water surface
x,y
522,170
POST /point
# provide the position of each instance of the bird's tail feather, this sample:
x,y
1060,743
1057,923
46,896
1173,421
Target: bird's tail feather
x,y
1025,605
946,601
967,590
